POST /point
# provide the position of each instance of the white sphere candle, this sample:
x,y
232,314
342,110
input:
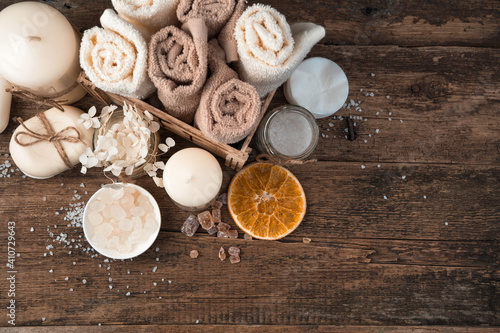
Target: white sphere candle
x,y
5,101
192,178
39,50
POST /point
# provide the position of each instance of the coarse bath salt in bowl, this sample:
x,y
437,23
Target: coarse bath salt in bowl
x,y
121,221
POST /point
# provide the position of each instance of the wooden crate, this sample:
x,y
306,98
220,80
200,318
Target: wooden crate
x,y
234,158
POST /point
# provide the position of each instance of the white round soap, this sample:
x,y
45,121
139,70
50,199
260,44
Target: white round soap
x,y
319,85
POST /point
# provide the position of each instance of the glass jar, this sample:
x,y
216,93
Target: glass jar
x,y
117,117
288,132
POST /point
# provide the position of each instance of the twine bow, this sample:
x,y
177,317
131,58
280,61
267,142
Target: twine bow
x,y
265,158
50,136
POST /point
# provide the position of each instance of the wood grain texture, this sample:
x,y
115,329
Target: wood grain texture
x,y
360,22
404,228
259,328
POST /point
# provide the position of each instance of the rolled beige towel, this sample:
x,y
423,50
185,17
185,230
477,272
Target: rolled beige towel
x,y
229,108
148,16
115,57
226,37
269,49
215,13
178,67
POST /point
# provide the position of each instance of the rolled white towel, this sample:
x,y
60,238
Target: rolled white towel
x,y
269,49
148,16
115,57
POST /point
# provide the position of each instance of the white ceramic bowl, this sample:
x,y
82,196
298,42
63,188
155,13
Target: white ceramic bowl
x,y
137,248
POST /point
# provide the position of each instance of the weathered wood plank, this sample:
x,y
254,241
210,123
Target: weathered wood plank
x,y
259,328
334,280
274,284
360,22
453,118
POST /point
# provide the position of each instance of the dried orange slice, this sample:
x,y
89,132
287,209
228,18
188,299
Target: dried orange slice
x,y
266,201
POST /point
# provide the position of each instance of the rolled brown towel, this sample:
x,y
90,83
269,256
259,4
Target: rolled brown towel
x,y
215,13
178,67
226,37
229,108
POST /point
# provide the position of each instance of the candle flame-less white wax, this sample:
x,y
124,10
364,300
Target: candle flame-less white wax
x,y
192,178
5,101
39,50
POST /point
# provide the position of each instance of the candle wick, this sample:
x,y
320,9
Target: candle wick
x,y
189,179
33,39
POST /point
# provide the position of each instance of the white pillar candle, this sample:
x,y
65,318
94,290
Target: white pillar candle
x,y
39,50
5,100
192,178
319,85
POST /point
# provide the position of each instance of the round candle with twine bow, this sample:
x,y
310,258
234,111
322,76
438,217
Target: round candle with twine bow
x,y
39,53
49,143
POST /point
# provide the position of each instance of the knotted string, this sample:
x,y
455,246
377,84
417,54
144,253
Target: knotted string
x,y
50,136
265,158
39,99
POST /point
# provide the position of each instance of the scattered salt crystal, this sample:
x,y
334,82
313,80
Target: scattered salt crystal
x,y
233,251
373,74
197,321
127,294
446,223
388,96
385,197
154,269
222,254
84,281
32,229
234,259
216,215
378,165
306,240
205,220
212,230
224,227
190,226
157,249
425,197
401,120
222,198
169,281
51,271
222,234
193,254
362,167
43,319
365,141
390,113
110,287
403,177
389,119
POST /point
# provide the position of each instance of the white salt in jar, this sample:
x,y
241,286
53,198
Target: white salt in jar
x,y
121,221
289,132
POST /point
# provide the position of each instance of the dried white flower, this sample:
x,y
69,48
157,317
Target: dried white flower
x,y
88,120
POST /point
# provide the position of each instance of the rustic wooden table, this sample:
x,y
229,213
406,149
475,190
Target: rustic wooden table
x,y
404,220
